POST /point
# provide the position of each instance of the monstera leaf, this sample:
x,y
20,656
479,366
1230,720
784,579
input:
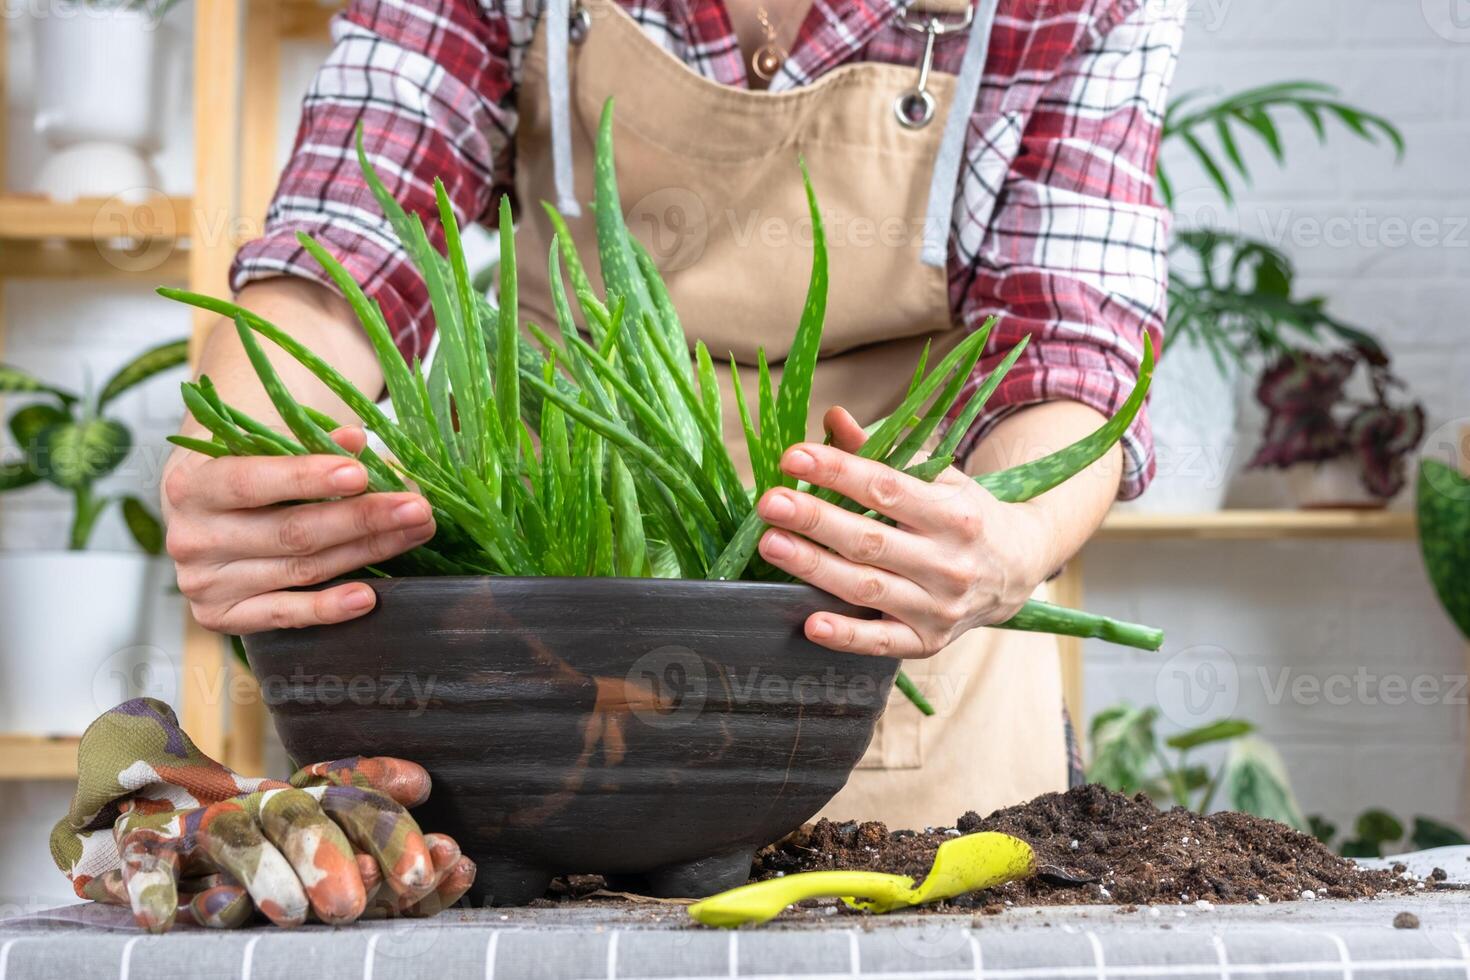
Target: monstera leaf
x,y
73,455
1444,537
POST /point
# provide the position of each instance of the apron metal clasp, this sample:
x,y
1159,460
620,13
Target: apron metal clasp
x,y
915,108
581,23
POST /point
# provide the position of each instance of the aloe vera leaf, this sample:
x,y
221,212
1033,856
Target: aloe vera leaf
x,y
454,335
770,433
507,373
631,549
656,427
604,558
363,407
378,470
204,413
441,402
712,446
914,441
396,376
1043,617
213,450
619,265
618,434
596,313
793,403
910,691
477,367
919,368
736,555
760,465
966,418
267,438
1035,478
709,390
311,435
668,318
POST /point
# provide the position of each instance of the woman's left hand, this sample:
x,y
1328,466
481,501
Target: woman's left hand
x,y
956,559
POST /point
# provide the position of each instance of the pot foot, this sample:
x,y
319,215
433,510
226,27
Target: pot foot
x,y
500,882
700,878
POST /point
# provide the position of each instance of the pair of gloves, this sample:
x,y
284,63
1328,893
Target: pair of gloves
x,y
159,827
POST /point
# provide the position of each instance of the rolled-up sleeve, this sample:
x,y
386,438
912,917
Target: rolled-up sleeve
x,y
1074,254
434,101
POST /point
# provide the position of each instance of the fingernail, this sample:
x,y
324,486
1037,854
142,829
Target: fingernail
x,y
797,462
777,545
819,629
358,599
778,507
349,476
409,513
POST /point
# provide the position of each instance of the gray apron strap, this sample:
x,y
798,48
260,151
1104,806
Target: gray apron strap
x,y
944,182
558,33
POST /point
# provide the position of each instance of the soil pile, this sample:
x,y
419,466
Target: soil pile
x,y
1115,849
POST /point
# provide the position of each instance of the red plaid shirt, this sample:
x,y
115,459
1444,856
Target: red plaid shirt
x,y
1057,231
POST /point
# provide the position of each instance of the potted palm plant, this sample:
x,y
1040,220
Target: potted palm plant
x,y
67,614
1232,298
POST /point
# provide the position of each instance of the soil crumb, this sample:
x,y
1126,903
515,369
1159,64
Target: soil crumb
x,y
1094,846
1406,920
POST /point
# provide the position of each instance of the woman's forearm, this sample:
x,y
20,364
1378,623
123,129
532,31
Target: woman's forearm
x,y
314,315
1074,510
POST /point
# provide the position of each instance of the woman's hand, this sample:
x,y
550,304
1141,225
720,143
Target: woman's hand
x,y
239,541
957,559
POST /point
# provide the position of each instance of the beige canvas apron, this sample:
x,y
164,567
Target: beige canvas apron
x,y
709,177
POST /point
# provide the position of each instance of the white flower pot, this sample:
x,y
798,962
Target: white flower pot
x,y
1334,484
96,99
1192,409
82,631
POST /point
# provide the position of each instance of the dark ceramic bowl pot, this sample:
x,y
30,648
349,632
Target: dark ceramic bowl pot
x,y
654,731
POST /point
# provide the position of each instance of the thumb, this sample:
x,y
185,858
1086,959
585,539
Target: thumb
x,y
844,430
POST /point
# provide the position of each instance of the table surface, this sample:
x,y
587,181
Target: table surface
x,y
617,939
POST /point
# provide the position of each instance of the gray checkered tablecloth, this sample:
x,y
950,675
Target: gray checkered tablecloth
x,y
1352,940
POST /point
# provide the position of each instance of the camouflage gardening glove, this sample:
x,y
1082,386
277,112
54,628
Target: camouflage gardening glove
x,y
160,827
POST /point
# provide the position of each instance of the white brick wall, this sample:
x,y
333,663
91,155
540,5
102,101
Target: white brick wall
x,y
1324,609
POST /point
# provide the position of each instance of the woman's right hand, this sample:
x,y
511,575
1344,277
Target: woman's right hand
x,y
240,541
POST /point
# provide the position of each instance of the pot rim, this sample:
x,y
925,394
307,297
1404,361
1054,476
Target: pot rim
x,y
791,590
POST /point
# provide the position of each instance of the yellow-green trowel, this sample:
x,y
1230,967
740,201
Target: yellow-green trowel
x,y
964,864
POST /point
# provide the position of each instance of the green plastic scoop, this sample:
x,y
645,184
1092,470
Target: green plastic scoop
x,y
961,865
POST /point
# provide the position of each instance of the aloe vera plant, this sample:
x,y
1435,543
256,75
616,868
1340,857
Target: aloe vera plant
x,y
597,450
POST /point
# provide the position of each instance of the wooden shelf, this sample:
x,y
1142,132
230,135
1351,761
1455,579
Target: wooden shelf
x,y
37,757
94,239
307,20
1260,525
29,217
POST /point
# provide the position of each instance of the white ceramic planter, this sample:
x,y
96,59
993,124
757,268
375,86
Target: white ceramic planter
x,y
81,631
1333,484
1192,409
97,90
